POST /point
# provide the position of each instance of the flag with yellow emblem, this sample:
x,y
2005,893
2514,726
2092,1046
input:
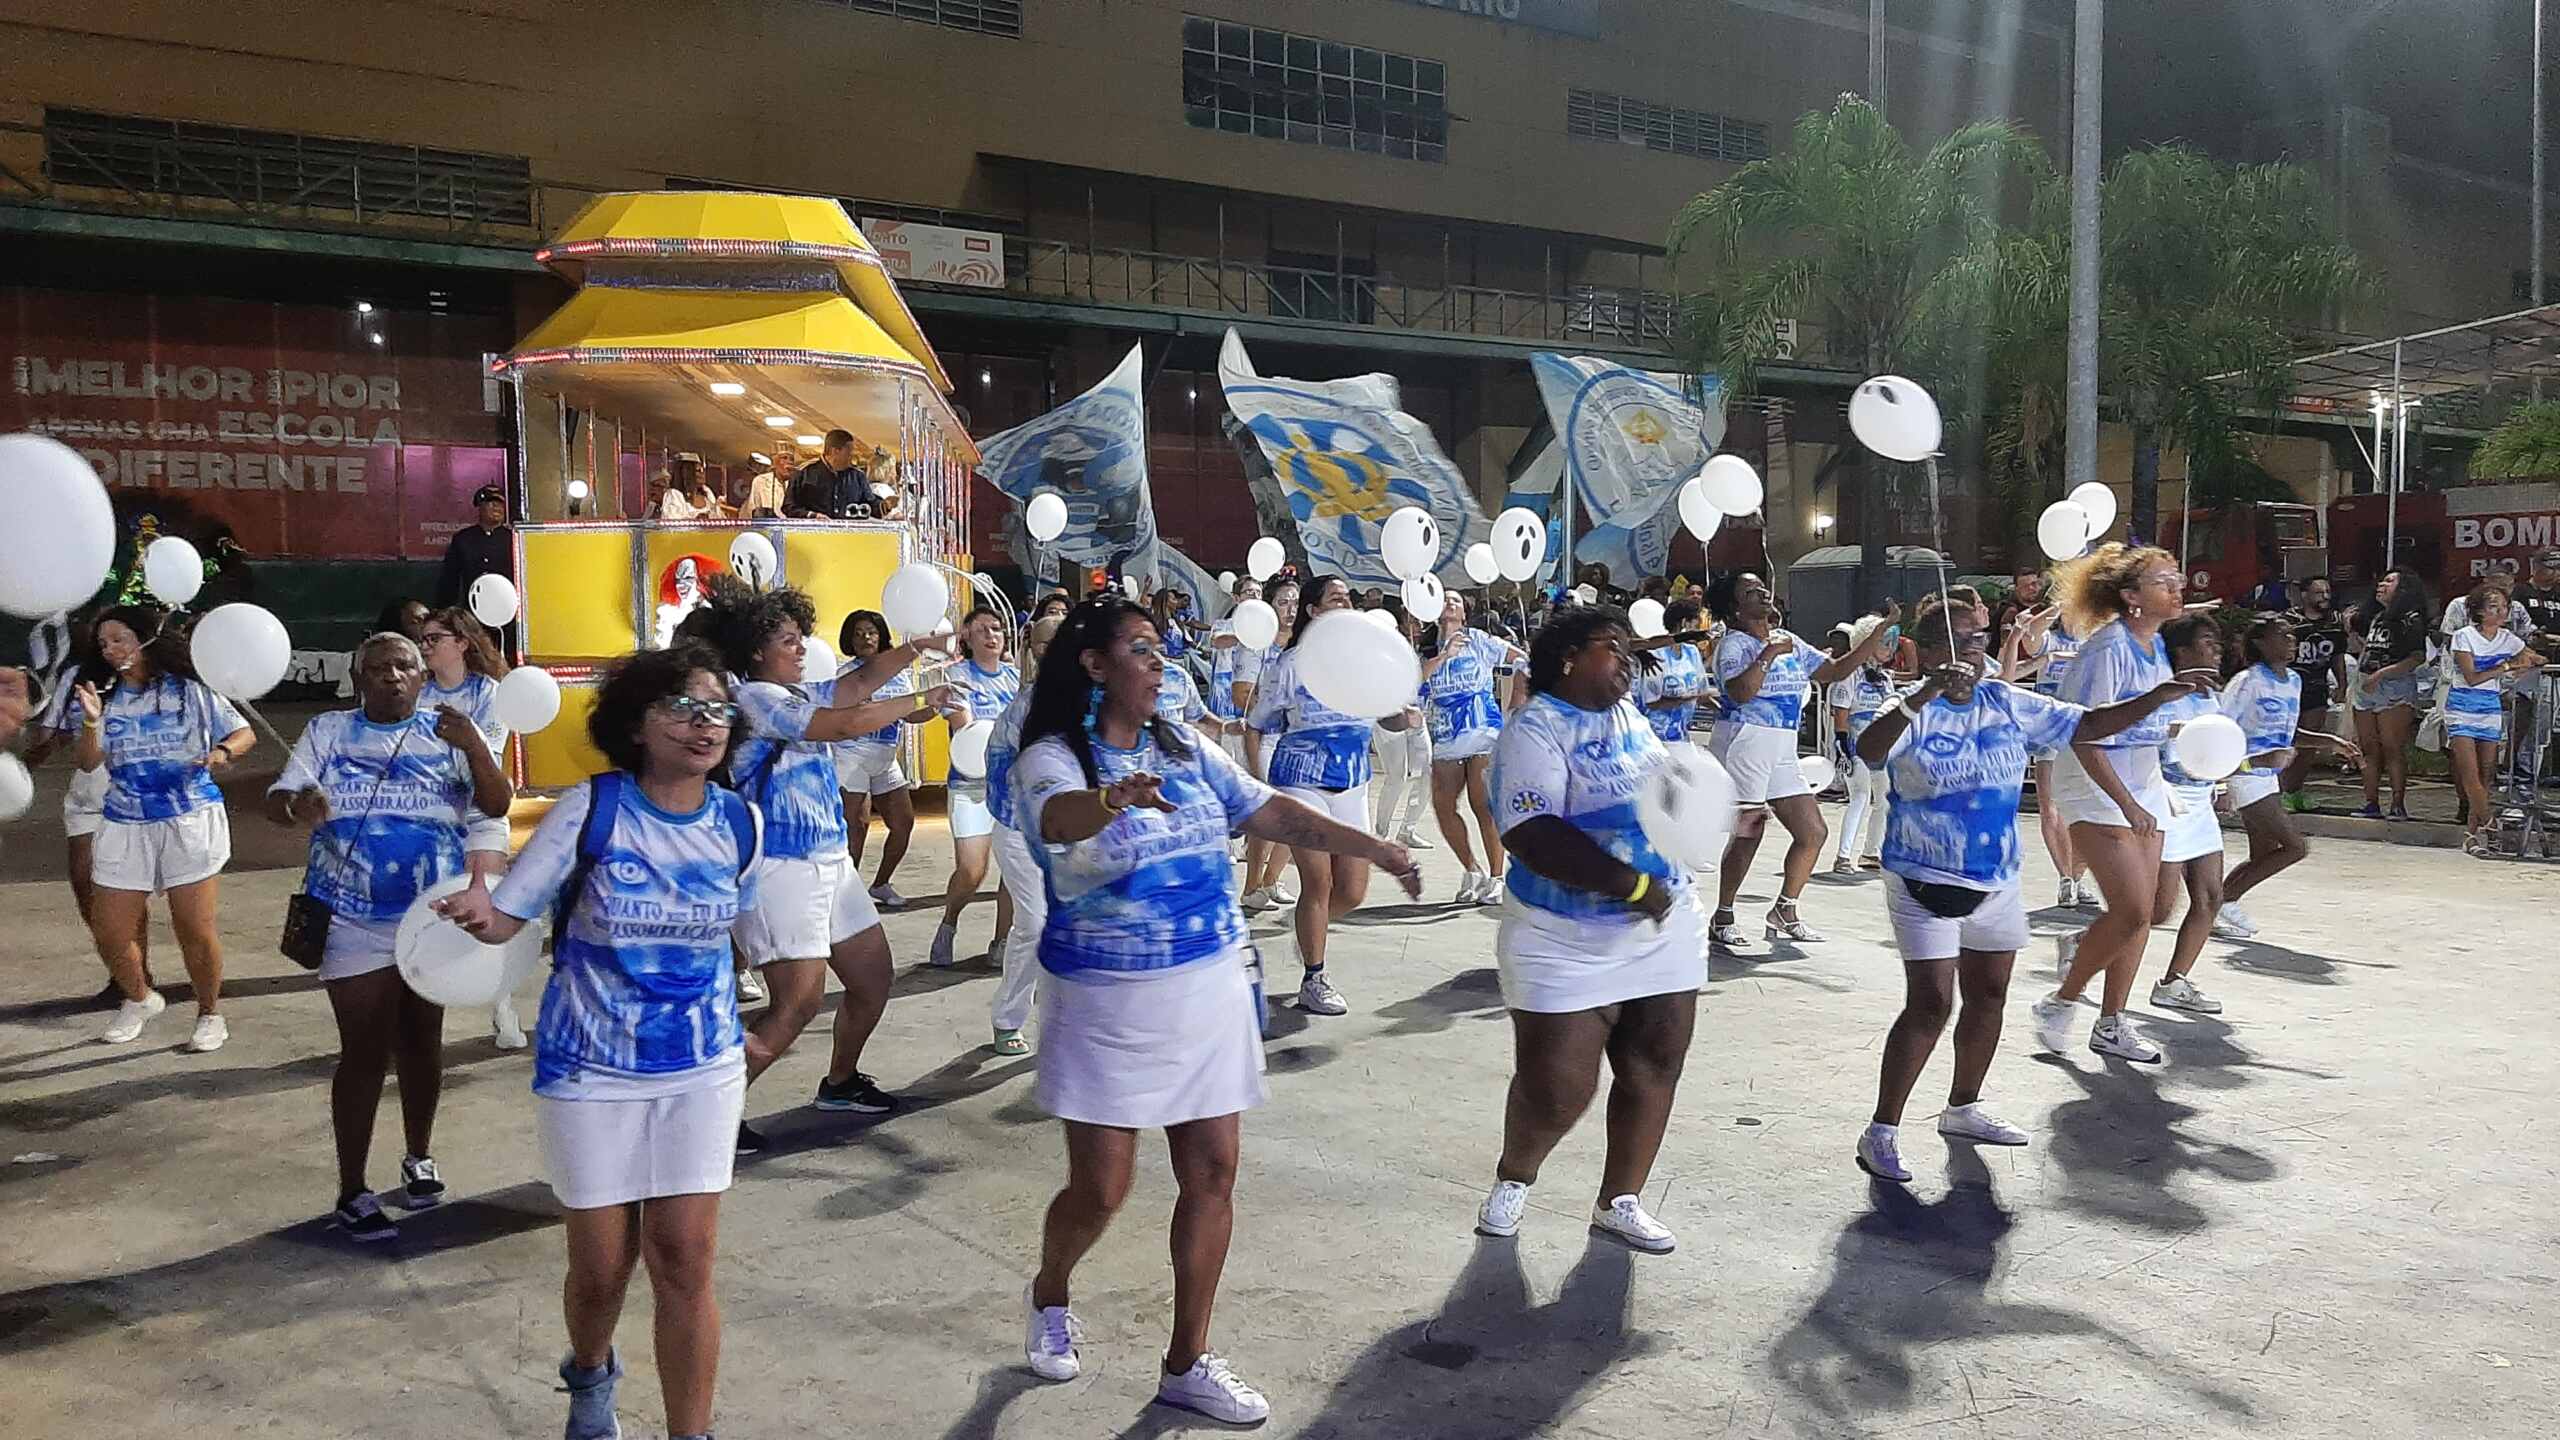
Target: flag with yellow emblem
x,y
1630,437
1348,456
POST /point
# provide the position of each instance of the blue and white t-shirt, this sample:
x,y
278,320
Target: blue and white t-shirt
x,y
2177,712
2267,706
641,985
1458,697
398,800
1178,698
1864,694
1227,665
1002,748
1150,891
156,740
986,693
1319,748
2113,667
1783,686
1681,671
886,737
477,698
2060,649
789,776
1952,782
1556,758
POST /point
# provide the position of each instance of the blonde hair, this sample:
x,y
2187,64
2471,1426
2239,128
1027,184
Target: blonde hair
x,y
2091,588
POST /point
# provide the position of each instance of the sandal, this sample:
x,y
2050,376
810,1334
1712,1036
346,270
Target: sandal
x,y
1010,1042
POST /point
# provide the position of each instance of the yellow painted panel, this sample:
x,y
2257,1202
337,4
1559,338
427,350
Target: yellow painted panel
x,y
561,754
577,593
840,571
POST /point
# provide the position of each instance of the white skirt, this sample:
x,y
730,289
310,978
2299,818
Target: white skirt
x,y
1761,759
2083,803
1151,1050
1554,965
612,1152
2191,830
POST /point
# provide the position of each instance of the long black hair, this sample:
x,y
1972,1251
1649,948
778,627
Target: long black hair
x,y
744,618
1308,595
1062,694
854,618
637,681
2254,639
2410,598
164,639
1572,628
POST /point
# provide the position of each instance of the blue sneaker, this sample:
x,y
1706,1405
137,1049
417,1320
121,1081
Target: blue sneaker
x,y
591,1414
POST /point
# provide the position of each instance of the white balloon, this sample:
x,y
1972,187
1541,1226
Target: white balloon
x,y
1265,558
1257,624
1697,511
493,601
752,559
1362,670
1730,485
1383,618
1424,595
443,965
1480,564
1895,418
527,700
2063,530
1585,595
1129,586
1227,581
1410,542
17,787
2100,502
61,535
2210,747
969,748
914,599
172,570
1685,805
241,651
1519,543
1045,517
817,660
1818,772
1646,616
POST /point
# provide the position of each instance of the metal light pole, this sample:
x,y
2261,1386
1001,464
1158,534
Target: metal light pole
x,y
2536,271
2088,78
1875,54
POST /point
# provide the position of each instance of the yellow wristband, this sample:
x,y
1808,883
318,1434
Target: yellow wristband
x,y
1644,883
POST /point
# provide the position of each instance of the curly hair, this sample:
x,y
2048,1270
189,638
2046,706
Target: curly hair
x,y
2184,632
744,619
1062,694
637,681
1572,628
2092,587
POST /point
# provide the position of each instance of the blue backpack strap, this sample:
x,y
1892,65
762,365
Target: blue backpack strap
x,y
595,833
742,826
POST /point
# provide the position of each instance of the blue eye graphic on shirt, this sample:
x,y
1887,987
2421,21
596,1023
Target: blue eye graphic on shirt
x,y
627,872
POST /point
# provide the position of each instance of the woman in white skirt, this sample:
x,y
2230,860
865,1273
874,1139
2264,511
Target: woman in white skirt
x,y
1465,718
2111,791
2265,700
2191,854
163,735
867,768
639,1064
984,682
1601,951
1150,1009
84,803
1010,1011
392,791
463,671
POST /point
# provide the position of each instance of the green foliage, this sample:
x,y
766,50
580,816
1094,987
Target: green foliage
x,y
2525,444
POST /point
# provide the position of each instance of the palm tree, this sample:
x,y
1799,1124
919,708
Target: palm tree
x,y
1885,250
2525,445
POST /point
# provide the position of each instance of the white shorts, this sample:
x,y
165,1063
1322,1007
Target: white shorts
x,y
1149,1050
1351,806
150,856
1761,759
1998,923
2083,803
970,818
84,804
869,769
1556,965
1463,746
358,947
2248,789
804,907
612,1152
2190,831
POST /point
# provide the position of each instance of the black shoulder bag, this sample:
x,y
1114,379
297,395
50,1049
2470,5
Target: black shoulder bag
x,y
306,917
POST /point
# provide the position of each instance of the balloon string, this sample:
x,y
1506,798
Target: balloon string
x,y
261,721
1938,541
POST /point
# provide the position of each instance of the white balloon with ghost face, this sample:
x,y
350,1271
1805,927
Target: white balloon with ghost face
x,y
1409,542
1896,418
1519,543
752,559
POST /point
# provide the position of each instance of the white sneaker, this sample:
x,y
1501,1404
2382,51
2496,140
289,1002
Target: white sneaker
x,y
1880,1156
1624,1219
504,1028
887,897
1972,1122
2180,993
2233,923
2067,895
1499,1215
1412,839
1257,901
1317,996
1467,887
943,939
2090,897
131,1016
212,1032
1212,1388
1284,893
2115,1035
2054,1016
1491,891
1049,1339
751,986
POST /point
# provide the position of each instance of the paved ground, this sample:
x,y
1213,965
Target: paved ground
x,y
2330,1214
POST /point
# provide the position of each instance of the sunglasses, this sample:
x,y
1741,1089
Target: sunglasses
x,y
701,713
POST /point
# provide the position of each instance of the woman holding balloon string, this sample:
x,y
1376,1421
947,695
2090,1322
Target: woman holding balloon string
x,y
84,800
463,671
867,769
1465,718
394,792
1600,949
163,735
1266,866
1953,752
984,683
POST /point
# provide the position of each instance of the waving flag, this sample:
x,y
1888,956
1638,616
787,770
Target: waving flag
x,y
1348,457
1093,452
1629,436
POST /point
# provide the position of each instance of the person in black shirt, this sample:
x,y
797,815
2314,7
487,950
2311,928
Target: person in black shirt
x,y
2389,636
2320,658
2539,597
487,547
831,487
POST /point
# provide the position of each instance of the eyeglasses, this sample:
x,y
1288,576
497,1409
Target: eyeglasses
x,y
436,637
702,714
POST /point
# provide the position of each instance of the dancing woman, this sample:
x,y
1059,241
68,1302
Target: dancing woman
x,y
2039,651
2487,657
1600,952
2389,641
2266,699
1465,719
84,799
1149,1006
1010,1011
639,1065
867,769
984,683
1669,692
1855,702
2191,851
392,791
2110,790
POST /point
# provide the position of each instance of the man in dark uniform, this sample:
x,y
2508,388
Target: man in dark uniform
x,y
2320,658
831,487
486,547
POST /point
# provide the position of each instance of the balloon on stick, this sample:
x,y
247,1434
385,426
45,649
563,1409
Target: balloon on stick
x,y
969,748
1480,564
2100,501
1646,616
1358,668
1731,485
1685,805
2062,532
914,598
1586,595
494,602
752,559
1519,543
172,571
1045,517
1265,558
1256,624
241,651
61,535
1409,542
2210,747
1697,511
527,700
1896,418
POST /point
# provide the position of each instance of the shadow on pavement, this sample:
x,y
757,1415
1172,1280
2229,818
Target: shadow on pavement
x,y
803,1127
1468,995
2259,958
2122,1149
997,1389
211,1082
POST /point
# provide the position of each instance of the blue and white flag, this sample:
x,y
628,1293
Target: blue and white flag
x,y
1630,437
1535,478
1165,568
1633,553
1348,456
1093,452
